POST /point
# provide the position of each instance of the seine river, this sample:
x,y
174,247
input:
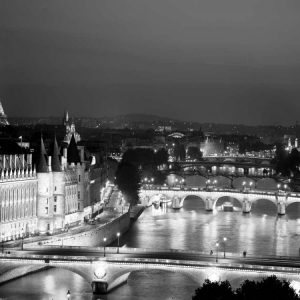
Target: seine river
x,y
261,232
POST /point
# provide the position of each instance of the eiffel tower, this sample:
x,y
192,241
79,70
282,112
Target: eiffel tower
x,y
3,117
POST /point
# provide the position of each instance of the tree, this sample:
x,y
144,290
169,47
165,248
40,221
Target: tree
x,y
179,152
216,290
161,157
294,161
281,160
194,153
128,182
269,288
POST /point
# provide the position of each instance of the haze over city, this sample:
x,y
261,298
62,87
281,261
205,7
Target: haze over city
x,y
209,61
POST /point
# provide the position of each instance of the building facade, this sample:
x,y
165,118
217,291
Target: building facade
x,y
18,197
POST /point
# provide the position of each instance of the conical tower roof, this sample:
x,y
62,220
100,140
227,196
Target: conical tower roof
x,y
55,162
42,161
3,117
73,156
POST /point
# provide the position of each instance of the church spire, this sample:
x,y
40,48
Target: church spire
x,y
66,118
3,117
42,162
55,162
73,156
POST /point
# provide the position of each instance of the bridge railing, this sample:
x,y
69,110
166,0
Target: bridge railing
x,y
216,189
123,250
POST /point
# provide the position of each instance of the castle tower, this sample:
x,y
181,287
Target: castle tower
x,y
3,117
58,189
45,194
75,162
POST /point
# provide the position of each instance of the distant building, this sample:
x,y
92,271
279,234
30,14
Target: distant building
x,y
3,117
290,142
70,129
212,147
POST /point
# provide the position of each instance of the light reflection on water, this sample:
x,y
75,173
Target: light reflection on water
x,y
261,232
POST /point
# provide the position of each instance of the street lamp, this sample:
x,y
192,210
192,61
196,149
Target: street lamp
x,y
68,294
22,239
224,240
104,240
118,235
207,183
2,240
217,251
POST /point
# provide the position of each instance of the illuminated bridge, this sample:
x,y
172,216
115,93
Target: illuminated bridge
x,y
177,195
106,273
235,166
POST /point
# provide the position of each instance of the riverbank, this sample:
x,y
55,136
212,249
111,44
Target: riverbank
x,y
103,232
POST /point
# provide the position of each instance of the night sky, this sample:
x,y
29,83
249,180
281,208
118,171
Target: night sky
x,y
199,60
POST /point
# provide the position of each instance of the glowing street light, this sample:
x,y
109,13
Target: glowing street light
x,y
68,294
217,251
278,185
118,236
22,239
104,240
224,240
2,240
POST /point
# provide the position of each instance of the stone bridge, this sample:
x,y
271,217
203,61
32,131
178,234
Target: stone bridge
x,y
177,195
106,273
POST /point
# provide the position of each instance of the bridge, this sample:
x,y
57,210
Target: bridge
x,y
236,166
177,195
107,268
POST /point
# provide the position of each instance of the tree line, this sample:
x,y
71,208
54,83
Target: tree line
x,y
270,288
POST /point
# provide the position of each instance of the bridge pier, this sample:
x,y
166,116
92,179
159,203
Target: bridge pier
x,y
281,208
209,204
177,202
100,287
246,206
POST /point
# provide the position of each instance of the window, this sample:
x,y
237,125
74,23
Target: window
x,y
55,188
54,208
79,178
78,194
55,198
46,210
48,226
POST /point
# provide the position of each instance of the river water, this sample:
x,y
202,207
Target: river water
x,y
261,232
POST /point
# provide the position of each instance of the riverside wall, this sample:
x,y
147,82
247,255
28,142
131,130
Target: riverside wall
x,y
92,237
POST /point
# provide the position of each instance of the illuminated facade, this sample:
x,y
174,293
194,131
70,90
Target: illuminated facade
x,y
3,117
62,188
61,192
18,196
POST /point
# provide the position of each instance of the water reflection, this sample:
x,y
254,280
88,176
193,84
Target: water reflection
x,y
260,232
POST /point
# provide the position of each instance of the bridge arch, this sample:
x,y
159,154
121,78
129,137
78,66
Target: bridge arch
x,y
201,198
234,200
124,274
11,272
260,199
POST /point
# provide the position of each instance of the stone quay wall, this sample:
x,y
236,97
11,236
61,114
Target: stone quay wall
x,y
90,238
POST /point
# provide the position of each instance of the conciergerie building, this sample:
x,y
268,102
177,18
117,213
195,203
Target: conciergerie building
x,y
60,191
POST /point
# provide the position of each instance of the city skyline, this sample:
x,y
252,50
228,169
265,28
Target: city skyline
x,y
212,61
